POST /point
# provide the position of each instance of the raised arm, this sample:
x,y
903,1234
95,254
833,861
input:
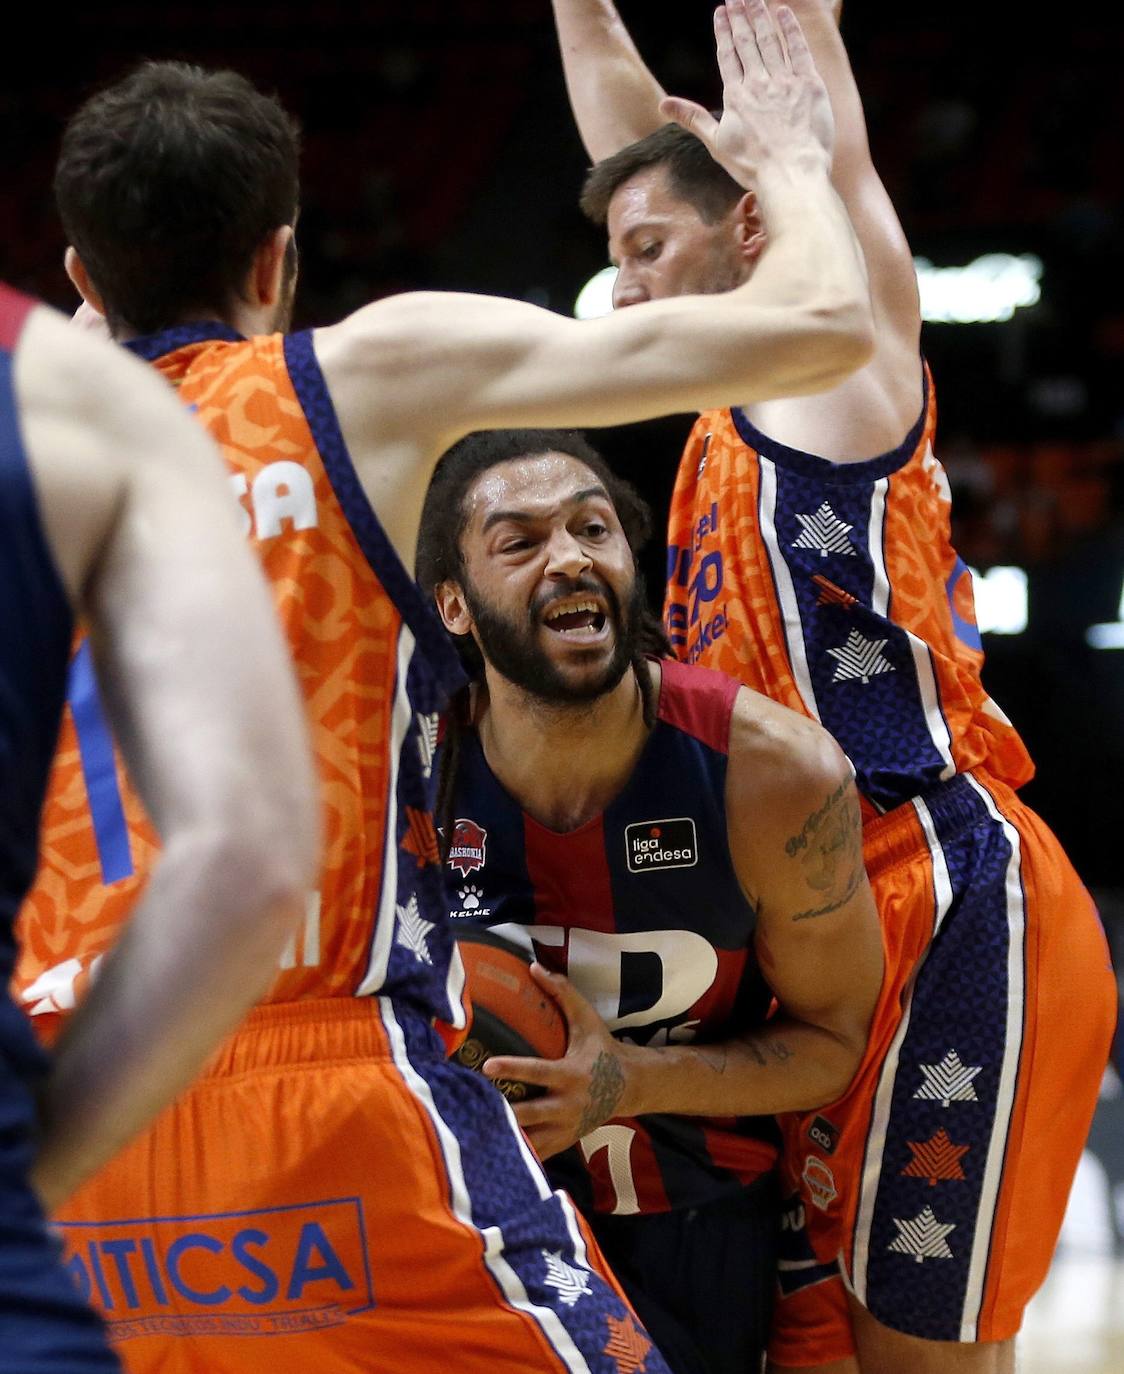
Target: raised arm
x,y
893,281
614,97
413,374
202,699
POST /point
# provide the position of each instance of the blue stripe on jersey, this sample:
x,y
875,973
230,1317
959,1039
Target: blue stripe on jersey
x,y
399,585
967,632
861,664
417,963
95,746
531,1243
954,1084
153,346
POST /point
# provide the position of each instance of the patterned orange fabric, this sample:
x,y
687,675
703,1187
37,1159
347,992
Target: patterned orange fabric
x,y
342,629
809,581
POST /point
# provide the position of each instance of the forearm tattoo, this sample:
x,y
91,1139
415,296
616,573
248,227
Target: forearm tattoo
x,y
606,1083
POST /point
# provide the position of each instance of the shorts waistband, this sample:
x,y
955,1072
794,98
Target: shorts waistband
x,y
317,1030
898,836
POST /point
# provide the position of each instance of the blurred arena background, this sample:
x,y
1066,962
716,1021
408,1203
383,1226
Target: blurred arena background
x,y
439,152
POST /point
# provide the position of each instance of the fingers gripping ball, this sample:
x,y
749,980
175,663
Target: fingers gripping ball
x,y
511,1014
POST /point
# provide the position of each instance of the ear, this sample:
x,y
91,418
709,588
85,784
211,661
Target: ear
x,y
76,271
749,228
453,608
266,281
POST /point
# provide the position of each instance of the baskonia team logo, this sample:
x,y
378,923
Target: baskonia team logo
x,y
466,853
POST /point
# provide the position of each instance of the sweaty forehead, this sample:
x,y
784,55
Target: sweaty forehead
x,y
531,487
644,197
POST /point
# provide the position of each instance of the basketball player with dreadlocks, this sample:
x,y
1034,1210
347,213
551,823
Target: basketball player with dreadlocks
x,y
336,1195
684,849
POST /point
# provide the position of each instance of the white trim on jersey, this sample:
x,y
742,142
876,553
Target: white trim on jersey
x,y
931,703
942,883
876,544
401,719
786,592
1008,1074
883,1098
454,989
460,1203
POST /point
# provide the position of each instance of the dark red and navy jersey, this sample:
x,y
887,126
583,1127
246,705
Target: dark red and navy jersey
x,y
642,909
35,629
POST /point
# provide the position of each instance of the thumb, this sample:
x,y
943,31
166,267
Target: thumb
x,y
694,118
574,1006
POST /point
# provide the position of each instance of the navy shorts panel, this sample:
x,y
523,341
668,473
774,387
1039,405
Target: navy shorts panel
x,y
702,1279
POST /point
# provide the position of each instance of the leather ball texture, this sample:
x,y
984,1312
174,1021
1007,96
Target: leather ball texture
x,y
511,1014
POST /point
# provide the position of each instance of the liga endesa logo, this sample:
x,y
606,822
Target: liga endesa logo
x,y
652,845
258,1273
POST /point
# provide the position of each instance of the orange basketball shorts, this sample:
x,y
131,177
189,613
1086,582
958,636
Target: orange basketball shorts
x,y
334,1195
939,1181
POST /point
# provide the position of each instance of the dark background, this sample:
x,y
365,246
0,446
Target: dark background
x,y
439,152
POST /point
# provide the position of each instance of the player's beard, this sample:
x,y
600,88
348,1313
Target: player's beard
x,y
514,651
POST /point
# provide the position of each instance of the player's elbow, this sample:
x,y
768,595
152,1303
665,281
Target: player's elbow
x,y
256,856
254,880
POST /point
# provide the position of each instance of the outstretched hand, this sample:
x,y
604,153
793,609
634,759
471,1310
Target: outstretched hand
x,y
583,1088
775,106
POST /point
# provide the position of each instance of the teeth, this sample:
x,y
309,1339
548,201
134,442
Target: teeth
x,y
570,608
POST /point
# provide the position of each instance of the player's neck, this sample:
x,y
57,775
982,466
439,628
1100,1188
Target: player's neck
x,y
563,764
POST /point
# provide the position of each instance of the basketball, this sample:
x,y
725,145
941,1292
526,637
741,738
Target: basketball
x,y
511,1014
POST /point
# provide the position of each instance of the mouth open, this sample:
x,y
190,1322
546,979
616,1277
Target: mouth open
x,y
582,619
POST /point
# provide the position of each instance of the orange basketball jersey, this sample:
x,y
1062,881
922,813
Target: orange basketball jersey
x,y
834,589
374,665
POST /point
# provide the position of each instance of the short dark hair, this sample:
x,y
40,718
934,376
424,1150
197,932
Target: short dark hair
x,y
693,174
440,558
168,182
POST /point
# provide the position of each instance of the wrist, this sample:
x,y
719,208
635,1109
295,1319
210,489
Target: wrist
x,y
811,165
635,1062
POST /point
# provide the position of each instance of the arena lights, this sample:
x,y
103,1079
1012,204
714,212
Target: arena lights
x,y
1001,600
986,291
596,296
1110,633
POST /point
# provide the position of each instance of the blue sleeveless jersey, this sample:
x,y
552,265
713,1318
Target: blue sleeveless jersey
x,y
642,909
35,630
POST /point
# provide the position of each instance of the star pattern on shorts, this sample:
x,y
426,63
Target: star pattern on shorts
x,y
949,1081
627,1345
937,1159
570,1283
923,1237
413,930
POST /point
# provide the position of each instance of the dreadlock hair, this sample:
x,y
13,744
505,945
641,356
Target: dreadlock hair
x,y
440,558
692,174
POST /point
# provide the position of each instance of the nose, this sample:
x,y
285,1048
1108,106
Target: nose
x,y
627,288
565,556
